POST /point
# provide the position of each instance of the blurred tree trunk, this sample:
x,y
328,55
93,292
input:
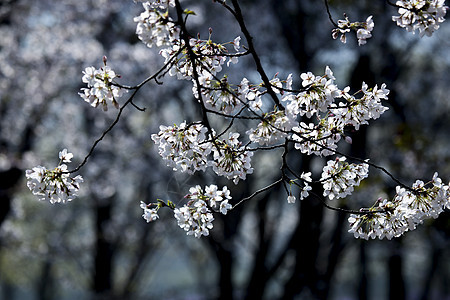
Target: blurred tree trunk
x,y
259,274
295,26
45,288
337,247
306,246
8,179
363,288
103,258
396,282
225,256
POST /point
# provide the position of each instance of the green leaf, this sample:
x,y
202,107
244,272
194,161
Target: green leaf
x,y
189,12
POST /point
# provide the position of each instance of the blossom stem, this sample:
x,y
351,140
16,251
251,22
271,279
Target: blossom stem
x,y
273,184
329,14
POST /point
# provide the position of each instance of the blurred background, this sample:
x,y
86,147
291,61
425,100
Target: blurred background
x,y
99,247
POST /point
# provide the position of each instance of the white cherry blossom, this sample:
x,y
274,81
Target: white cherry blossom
x,y
150,214
100,88
184,147
274,127
196,216
154,26
231,159
424,15
363,30
339,177
55,186
409,208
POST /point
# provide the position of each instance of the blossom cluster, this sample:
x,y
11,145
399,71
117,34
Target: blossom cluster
x,y
208,60
221,96
231,159
363,29
319,93
187,149
196,216
321,137
250,94
409,207
274,127
158,4
154,26
358,111
101,89
339,177
184,147
55,186
424,15
200,62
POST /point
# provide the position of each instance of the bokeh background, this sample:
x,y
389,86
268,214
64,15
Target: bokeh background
x,y
99,247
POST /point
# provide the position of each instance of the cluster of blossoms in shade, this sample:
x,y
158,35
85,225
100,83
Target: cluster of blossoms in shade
x,y
424,15
409,208
308,112
363,30
54,185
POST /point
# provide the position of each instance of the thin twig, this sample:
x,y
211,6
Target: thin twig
x,y
349,211
251,48
103,135
329,14
259,192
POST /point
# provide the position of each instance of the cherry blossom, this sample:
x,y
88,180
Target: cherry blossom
x,y
101,89
363,29
196,217
424,15
150,214
65,156
319,94
291,199
306,187
219,95
55,186
408,208
184,147
231,159
358,111
155,27
339,177
274,127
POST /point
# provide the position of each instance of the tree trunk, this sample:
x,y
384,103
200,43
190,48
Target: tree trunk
x,y
396,282
103,254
